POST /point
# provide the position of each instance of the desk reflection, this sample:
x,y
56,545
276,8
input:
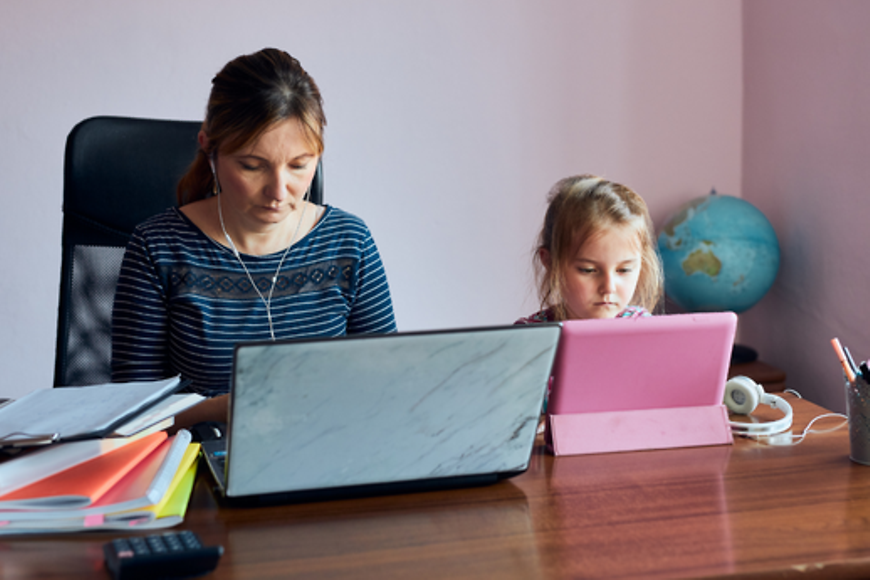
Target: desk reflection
x,y
614,514
444,533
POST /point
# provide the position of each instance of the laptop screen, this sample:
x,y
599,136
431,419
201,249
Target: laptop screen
x,y
375,409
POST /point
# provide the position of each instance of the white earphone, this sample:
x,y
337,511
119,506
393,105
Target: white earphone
x,y
743,395
217,185
217,191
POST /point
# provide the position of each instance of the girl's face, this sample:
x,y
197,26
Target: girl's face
x,y
599,281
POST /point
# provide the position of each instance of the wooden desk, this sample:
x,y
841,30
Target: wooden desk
x,y
766,375
747,510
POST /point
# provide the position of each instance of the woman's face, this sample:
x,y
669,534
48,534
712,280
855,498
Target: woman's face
x,y
600,279
265,181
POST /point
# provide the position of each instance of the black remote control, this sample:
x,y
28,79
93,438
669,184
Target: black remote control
x,y
167,555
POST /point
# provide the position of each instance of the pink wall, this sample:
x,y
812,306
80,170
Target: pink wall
x,y
806,139
449,120
448,123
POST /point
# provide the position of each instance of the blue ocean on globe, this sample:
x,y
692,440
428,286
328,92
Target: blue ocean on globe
x,y
719,252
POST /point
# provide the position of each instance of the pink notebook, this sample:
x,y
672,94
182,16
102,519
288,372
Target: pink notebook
x,y
641,383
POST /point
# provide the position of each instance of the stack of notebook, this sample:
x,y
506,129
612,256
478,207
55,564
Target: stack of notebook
x,y
76,459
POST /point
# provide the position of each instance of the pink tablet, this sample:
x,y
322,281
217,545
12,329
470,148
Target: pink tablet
x,y
619,383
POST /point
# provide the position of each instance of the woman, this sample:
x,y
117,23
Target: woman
x,y
246,256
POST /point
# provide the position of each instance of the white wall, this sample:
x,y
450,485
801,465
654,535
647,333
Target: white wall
x,y
448,123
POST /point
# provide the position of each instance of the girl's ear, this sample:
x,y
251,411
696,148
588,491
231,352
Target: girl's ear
x,y
544,256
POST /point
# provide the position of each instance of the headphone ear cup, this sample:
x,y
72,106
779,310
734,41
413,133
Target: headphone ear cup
x,y
742,395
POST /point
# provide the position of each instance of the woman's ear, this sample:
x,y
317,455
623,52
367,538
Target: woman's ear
x,y
203,141
544,257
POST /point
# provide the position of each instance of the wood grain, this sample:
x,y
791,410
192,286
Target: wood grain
x,y
747,510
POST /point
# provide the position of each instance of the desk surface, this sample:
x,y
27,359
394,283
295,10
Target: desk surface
x,y
748,510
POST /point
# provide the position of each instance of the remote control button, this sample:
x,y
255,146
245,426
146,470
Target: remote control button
x,y
191,541
123,548
173,543
156,544
139,546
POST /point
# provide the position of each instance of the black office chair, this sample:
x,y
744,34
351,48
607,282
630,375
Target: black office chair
x,y
118,171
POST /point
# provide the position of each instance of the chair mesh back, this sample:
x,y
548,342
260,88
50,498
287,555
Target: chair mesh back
x,y
92,292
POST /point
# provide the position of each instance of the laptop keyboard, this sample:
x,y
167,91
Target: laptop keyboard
x,y
216,458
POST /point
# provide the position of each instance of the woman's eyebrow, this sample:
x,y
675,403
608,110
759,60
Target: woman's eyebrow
x,y
254,155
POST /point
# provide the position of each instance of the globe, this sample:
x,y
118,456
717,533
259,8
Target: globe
x,y
719,252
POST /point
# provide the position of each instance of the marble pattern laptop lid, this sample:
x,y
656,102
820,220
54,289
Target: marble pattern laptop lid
x,y
380,409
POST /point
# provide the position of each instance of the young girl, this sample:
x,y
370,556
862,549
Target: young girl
x,y
596,254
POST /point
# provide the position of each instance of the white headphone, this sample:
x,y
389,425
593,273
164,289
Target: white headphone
x,y
217,185
743,395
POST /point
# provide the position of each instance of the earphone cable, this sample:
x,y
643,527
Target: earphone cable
x,y
792,439
266,302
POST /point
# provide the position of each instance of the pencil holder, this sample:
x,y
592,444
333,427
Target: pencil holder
x,y
858,412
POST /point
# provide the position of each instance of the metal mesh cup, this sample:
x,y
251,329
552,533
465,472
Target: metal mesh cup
x,y
858,412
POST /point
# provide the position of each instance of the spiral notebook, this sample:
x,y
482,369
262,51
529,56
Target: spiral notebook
x,y
373,414
52,415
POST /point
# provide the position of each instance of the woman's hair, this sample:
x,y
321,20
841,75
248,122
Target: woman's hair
x,y
248,96
579,208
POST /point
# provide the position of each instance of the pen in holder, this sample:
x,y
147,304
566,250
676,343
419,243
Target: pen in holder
x,y
858,412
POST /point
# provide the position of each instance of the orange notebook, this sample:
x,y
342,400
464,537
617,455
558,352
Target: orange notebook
x,y
41,462
81,485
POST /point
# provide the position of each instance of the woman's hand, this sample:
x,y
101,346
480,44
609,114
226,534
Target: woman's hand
x,y
213,409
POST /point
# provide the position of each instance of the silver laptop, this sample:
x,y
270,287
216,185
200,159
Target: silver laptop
x,y
372,414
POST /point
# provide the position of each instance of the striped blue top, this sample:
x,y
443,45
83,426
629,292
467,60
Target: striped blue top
x,y
183,301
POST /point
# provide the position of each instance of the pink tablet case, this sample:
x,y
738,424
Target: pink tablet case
x,y
641,383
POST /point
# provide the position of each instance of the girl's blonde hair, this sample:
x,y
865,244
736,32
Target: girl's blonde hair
x,y
578,208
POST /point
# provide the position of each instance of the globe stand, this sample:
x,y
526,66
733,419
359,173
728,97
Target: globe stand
x,y
743,354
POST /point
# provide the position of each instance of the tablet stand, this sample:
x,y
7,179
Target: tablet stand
x,y
582,433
